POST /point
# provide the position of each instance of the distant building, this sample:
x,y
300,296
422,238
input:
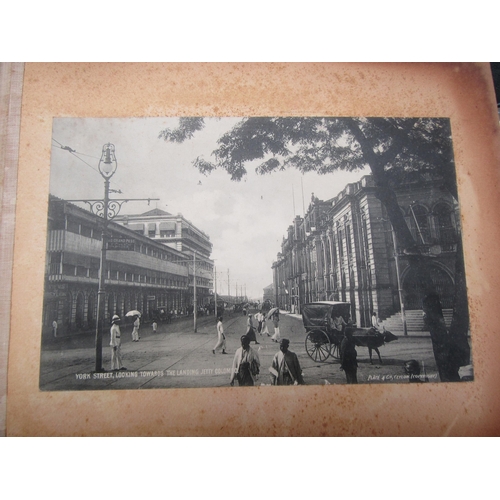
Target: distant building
x,y
175,231
171,230
343,249
269,293
147,276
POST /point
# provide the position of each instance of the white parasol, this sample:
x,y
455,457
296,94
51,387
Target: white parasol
x,y
133,313
272,311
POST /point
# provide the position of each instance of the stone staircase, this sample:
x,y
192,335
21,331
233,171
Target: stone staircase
x,y
414,322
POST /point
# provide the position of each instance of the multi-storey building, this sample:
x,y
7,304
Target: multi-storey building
x,y
343,249
146,274
171,230
175,231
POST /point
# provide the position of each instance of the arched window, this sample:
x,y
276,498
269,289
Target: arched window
x,y
414,289
419,224
445,228
326,254
111,306
91,311
79,311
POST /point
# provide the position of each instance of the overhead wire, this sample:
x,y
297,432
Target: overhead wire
x,y
75,153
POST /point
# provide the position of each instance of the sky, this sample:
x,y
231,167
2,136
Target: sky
x,y
246,220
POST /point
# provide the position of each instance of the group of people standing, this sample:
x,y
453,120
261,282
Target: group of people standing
x,y
285,368
261,328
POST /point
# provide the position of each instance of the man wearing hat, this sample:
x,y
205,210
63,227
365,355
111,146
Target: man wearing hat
x,y
285,368
251,330
115,343
135,330
246,364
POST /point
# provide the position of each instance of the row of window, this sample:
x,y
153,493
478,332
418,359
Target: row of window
x,y
428,228
112,274
75,227
152,233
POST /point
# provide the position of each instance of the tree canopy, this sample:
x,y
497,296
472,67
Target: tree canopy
x,y
397,150
396,147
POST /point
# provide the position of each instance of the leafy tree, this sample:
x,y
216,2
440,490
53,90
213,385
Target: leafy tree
x,y
395,149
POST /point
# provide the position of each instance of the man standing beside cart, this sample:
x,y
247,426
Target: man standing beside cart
x,y
348,356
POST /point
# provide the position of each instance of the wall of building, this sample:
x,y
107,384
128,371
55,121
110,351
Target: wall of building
x,y
149,276
343,249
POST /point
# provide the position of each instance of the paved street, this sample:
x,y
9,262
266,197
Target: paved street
x,y
177,357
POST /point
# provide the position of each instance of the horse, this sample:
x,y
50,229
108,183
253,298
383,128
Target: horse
x,y
373,340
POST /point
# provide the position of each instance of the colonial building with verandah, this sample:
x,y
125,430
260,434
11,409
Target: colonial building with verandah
x,y
177,232
343,249
147,277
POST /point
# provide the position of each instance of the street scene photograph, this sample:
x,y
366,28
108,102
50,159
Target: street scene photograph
x,y
202,252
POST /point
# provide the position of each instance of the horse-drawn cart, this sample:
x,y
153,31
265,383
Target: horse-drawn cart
x,y
325,330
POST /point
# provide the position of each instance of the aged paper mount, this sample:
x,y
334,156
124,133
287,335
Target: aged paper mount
x,y
461,92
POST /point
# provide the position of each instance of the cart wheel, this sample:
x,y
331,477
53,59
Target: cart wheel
x,y
318,345
335,352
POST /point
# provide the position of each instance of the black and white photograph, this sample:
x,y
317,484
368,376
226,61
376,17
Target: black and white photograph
x,y
192,252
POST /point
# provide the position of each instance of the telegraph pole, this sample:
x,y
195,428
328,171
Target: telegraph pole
x,y
215,288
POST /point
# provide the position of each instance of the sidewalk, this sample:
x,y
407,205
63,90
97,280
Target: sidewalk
x,y
397,332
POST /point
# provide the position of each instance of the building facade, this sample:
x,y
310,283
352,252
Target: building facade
x,y
147,275
176,232
268,293
344,249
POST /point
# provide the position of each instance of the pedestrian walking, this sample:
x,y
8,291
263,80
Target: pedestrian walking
x,y
115,343
265,329
135,331
348,355
246,364
54,328
276,323
285,368
251,330
221,338
259,317
154,326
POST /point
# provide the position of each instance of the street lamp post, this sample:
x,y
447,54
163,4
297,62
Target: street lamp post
x,y
195,299
107,210
215,289
107,168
